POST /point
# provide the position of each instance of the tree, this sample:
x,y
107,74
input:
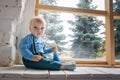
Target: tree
x,y
54,28
85,42
116,8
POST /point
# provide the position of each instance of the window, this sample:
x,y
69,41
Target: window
x,y
116,8
89,27
74,4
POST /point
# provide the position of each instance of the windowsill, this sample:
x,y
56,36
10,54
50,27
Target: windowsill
x,y
20,72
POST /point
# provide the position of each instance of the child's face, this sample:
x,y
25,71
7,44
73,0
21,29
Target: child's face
x,y
37,29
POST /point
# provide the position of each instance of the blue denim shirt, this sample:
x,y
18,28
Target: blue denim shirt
x,y
26,46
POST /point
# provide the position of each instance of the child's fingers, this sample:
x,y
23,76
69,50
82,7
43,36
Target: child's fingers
x,y
37,58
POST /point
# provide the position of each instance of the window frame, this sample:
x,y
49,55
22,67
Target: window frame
x,y
109,24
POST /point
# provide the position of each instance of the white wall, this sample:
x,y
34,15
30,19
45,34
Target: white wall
x,y
23,27
14,18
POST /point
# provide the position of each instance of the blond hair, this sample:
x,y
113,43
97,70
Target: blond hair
x,y
37,19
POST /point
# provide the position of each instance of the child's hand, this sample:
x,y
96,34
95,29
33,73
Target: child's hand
x,y
54,49
37,58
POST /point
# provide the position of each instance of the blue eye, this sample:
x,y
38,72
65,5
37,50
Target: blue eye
x,y
35,27
42,28
39,28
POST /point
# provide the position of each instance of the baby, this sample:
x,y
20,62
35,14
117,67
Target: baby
x,y
32,49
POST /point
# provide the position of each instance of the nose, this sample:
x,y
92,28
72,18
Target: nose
x,y
39,30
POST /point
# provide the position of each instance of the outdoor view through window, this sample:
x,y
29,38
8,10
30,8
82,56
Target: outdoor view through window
x,y
77,36
116,8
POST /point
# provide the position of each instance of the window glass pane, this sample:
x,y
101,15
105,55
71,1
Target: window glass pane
x,y
77,37
116,5
116,8
84,4
117,38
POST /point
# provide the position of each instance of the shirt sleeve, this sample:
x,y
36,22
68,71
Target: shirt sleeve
x,y
47,50
24,47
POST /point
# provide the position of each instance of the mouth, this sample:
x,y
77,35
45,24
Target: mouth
x,y
39,34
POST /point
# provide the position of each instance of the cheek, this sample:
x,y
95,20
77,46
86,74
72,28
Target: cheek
x,y
33,32
43,31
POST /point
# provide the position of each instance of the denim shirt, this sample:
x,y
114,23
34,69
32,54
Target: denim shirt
x,y
26,46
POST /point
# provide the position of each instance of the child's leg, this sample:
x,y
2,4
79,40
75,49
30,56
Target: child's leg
x,y
56,57
49,64
44,64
